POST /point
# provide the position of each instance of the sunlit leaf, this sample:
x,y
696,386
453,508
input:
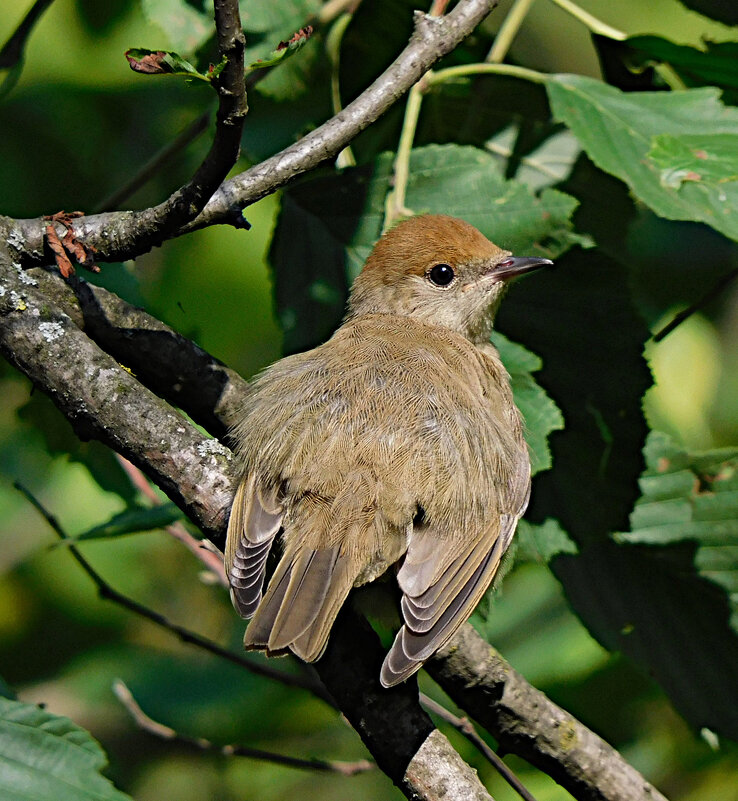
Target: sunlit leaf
x,y
540,413
618,132
666,592
45,757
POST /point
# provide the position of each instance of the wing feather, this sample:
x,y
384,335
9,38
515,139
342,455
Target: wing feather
x,y
256,518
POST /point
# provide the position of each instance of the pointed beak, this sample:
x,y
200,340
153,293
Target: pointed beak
x,y
512,267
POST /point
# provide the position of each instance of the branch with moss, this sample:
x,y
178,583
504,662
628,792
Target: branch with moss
x,y
107,402
104,401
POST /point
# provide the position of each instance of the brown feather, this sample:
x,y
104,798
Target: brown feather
x,y
406,408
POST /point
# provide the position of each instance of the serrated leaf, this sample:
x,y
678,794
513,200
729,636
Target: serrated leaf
x,y
666,591
540,413
45,757
134,520
161,62
268,24
617,130
580,319
541,543
692,498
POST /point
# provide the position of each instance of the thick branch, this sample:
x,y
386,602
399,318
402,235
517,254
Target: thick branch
x,y
92,388
171,365
104,401
525,722
125,234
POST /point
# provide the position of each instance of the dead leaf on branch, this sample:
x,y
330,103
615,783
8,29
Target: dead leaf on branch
x,y
69,245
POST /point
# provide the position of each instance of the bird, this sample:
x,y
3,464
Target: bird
x,y
394,446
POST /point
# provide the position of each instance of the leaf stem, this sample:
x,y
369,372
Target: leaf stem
x,y
466,70
394,206
333,49
595,25
508,31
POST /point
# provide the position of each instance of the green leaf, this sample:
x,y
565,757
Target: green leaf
x,y
268,25
186,28
329,224
45,757
540,413
579,318
548,164
713,66
161,62
134,520
650,603
618,131
542,543
667,593
284,50
709,161
692,498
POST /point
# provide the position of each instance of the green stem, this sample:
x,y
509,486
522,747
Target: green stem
x,y
333,48
508,30
595,25
394,205
464,70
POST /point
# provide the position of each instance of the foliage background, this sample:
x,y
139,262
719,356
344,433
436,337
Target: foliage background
x,y
78,123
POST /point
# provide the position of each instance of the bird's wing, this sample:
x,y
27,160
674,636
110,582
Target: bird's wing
x,y
439,595
256,518
299,607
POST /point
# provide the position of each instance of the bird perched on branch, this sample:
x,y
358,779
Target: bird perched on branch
x,y
394,443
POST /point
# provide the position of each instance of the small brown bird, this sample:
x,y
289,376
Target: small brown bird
x,y
395,442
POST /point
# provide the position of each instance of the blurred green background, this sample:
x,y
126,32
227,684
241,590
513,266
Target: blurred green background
x,y
77,124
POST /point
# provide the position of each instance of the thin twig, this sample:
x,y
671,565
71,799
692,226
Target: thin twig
x,y
12,51
465,726
711,294
154,165
108,593
212,560
148,724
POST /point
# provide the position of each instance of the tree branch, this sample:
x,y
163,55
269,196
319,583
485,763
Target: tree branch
x,y
525,722
117,236
76,374
152,726
104,401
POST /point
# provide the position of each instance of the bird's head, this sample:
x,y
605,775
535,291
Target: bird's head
x,y
440,270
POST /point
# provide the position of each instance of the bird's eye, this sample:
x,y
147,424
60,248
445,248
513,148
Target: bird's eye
x,y
441,274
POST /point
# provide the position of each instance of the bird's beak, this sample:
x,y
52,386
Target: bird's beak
x,y
512,267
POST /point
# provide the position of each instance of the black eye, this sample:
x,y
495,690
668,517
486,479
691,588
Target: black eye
x,y
441,274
